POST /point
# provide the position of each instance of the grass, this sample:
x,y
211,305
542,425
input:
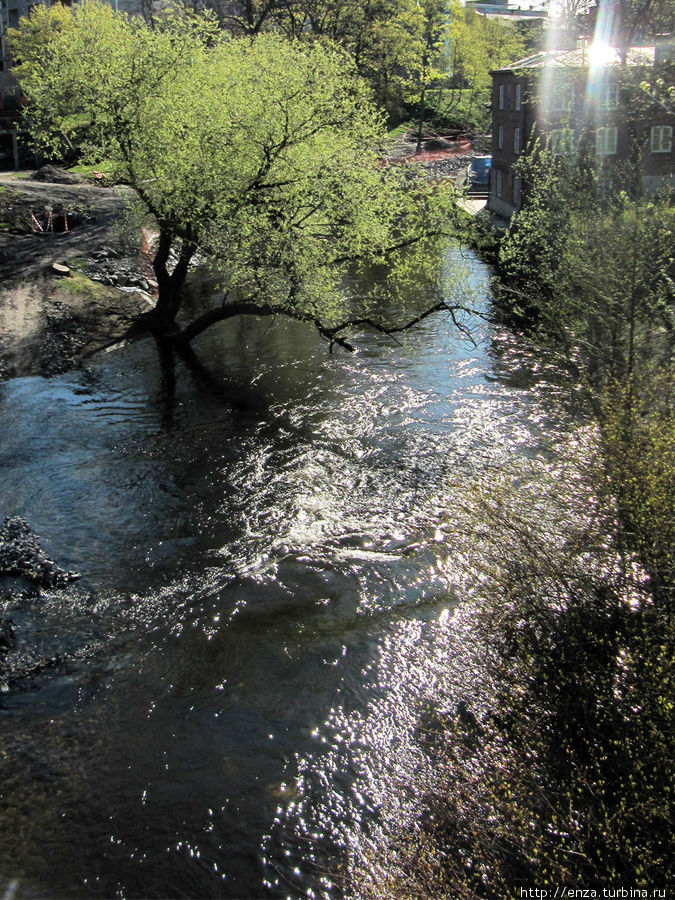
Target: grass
x,y
87,291
78,264
110,171
401,129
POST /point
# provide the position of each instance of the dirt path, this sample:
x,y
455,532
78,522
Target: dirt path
x,y
22,255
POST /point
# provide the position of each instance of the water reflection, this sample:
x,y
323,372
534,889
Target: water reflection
x,y
264,598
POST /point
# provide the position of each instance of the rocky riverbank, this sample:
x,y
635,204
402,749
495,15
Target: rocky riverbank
x,y
50,323
25,570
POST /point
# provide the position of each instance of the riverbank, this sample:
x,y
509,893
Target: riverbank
x,y
50,323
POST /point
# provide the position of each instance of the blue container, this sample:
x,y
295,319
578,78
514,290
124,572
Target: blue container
x,y
479,170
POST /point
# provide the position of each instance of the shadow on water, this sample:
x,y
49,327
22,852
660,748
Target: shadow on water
x,y
257,527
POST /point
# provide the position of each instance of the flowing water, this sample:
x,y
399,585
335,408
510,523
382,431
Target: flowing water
x,y
264,602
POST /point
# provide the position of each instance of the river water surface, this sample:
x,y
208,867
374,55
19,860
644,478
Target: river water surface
x,y
265,597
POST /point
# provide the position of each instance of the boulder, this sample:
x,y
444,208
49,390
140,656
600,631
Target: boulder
x,y
21,554
54,175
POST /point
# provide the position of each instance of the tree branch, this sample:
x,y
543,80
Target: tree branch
x,y
401,245
332,334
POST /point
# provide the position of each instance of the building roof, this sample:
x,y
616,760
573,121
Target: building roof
x,y
580,58
502,10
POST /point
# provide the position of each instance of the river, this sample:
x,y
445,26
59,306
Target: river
x,y
265,600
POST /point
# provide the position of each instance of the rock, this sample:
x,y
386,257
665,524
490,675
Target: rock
x,y
438,143
54,175
6,635
123,273
21,554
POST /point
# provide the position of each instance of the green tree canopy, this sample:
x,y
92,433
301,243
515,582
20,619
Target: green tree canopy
x,y
597,271
258,154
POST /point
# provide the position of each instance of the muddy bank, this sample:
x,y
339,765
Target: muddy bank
x,y
49,324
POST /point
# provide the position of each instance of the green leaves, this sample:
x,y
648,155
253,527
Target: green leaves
x,y
259,153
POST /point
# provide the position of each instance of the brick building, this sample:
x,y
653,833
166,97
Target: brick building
x,y
559,95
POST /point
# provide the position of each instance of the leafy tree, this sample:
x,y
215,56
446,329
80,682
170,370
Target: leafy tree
x,y
379,35
401,47
625,23
476,45
383,37
258,154
596,273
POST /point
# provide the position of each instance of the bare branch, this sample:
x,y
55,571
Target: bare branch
x,y
332,334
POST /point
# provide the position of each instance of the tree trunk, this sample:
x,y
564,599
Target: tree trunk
x,y
420,122
163,316
424,72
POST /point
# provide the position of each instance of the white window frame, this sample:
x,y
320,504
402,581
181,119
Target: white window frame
x,y
661,139
516,141
517,102
609,98
606,140
500,137
501,96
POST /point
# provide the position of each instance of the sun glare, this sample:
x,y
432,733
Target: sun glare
x,y
600,54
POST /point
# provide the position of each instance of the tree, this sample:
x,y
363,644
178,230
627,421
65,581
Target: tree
x,y
379,35
476,45
598,272
624,23
257,154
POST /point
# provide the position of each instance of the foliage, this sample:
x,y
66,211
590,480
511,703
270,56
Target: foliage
x,y
625,23
639,443
529,254
398,46
596,273
381,36
458,88
260,154
479,44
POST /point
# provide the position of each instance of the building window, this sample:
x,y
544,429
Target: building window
x,y
516,140
605,187
517,96
661,139
500,137
609,96
561,141
501,96
605,141
498,181
517,182
562,97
